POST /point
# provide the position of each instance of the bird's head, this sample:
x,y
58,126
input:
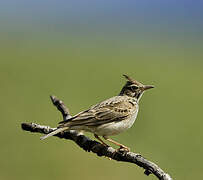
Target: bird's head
x,y
133,88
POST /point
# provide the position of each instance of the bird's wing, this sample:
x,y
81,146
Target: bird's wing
x,y
113,109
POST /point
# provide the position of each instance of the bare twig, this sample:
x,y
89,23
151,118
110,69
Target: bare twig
x,y
93,146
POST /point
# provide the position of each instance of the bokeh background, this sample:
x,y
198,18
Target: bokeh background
x,y
78,51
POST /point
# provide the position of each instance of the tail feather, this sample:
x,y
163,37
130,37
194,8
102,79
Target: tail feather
x,y
54,132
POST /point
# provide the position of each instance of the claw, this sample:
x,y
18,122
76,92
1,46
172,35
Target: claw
x,y
123,148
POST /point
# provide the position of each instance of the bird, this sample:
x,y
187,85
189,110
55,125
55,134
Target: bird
x,y
109,117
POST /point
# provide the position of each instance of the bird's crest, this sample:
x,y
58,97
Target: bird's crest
x,y
133,81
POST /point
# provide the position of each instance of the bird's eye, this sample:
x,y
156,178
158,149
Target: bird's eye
x,y
134,87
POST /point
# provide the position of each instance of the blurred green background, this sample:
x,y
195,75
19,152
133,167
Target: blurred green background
x,y
78,51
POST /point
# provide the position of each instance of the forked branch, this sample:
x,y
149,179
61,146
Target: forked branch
x,y
93,146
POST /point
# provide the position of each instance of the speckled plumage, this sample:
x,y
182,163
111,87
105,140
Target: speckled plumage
x,y
109,117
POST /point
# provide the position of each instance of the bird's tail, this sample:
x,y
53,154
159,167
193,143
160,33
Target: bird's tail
x,y
54,132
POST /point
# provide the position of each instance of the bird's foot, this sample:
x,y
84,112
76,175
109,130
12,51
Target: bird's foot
x,y
123,148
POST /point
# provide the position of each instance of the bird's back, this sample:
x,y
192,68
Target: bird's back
x,y
113,109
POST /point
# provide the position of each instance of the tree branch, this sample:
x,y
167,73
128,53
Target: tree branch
x,y
93,146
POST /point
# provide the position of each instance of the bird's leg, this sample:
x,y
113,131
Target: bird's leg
x,y
97,137
116,143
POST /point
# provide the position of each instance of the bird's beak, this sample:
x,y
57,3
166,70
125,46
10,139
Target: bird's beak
x,y
147,87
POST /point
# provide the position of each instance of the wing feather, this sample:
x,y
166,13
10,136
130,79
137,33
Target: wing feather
x,y
113,109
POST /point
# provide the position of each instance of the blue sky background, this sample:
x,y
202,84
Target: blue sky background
x,y
155,26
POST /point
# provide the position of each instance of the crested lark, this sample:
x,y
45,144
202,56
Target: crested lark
x,y
109,117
